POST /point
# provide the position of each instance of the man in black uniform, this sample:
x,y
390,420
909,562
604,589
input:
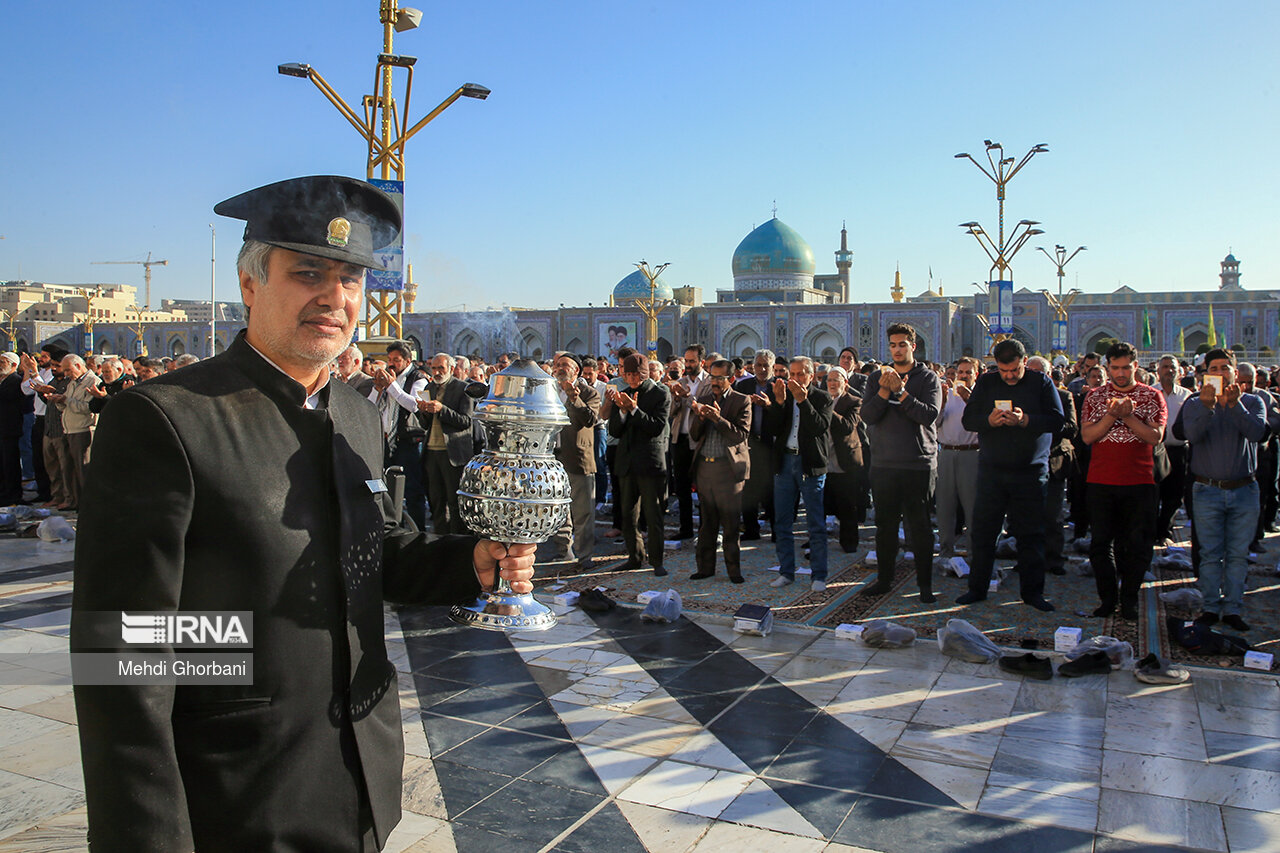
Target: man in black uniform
x,y
251,482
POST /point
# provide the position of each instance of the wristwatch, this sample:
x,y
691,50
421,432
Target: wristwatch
x,y
899,394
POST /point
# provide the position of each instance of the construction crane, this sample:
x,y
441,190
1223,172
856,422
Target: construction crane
x,y
147,264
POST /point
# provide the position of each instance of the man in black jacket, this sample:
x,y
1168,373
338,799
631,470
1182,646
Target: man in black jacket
x,y
1062,461
757,493
448,445
638,418
251,482
13,405
395,392
901,403
798,420
1015,412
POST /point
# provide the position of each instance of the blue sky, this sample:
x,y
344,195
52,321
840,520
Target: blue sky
x,y
661,130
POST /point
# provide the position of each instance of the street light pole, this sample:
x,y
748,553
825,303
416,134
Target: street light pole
x,y
385,154
999,250
652,306
1060,259
213,297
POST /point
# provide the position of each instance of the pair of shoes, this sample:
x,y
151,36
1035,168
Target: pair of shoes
x,y
1028,665
1104,610
781,580
737,578
1233,620
971,598
1042,604
1207,618
1093,663
1129,612
818,586
701,576
1153,670
659,572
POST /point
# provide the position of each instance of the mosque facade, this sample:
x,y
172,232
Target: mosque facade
x,y
781,302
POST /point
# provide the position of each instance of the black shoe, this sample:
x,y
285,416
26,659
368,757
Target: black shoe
x,y
1042,604
1256,547
685,534
1104,610
877,589
1057,570
1093,663
927,596
1272,528
1207,618
1233,620
737,578
750,537
971,598
659,572
1028,665
630,566
701,576
1129,612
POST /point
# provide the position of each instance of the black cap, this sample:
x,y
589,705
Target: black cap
x,y
327,215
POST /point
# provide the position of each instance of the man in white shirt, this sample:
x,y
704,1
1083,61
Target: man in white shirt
x,y
36,372
1173,485
957,457
395,392
683,392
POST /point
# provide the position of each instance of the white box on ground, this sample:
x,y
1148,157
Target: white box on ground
x,y
847,631
1258,660
994,586
647,596
570,597
870,559
1065,639
960,566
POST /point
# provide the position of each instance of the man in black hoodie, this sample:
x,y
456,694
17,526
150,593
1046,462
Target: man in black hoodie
x,y
901,403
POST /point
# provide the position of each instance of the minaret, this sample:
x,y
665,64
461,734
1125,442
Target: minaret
x,y
1230,274
897,291
844,262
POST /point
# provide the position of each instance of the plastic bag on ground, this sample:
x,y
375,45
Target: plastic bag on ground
x,y
1120,652
1173,559
1187,598
887,635
959,639
663,607
26,513
56,529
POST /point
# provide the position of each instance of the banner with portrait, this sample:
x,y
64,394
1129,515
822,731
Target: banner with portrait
x,y
613,335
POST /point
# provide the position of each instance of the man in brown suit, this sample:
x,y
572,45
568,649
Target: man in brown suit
x,y
576,451
721,463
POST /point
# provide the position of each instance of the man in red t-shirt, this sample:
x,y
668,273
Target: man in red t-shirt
x,y
1122,421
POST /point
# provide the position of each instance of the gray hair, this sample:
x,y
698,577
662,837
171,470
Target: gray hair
x,y
186,359
354,352
766,353
253,259
1246,368
1169,356
115,363
1040,360
448,359
805,360
837,370
75,359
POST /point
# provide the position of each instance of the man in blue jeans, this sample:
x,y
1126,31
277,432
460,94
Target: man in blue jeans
x,y
1223,428
799,423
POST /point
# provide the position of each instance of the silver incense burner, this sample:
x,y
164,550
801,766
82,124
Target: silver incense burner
x,y
515,490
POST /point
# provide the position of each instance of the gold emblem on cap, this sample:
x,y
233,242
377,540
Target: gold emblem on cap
x,y
339,231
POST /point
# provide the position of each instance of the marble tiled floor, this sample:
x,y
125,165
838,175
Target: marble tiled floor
x,y
608,733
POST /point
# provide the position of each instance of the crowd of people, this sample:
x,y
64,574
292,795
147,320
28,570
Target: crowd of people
x,y
1103,452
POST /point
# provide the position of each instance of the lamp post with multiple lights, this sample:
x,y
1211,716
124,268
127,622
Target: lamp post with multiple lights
x,y
651,306
1061,302
380,120
999,249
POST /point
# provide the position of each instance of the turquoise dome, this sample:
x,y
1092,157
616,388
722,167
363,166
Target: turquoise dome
x,y
636,286
773,247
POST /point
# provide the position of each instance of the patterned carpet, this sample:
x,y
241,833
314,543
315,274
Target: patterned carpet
x,y
1002,616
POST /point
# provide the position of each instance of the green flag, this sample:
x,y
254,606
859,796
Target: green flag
x,y
1182,341
1213,334
1146,328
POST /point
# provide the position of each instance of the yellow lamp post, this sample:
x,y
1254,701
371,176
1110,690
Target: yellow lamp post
x,y
1060,259
139,328
89,296
999,249
10,319
384,131
651,305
